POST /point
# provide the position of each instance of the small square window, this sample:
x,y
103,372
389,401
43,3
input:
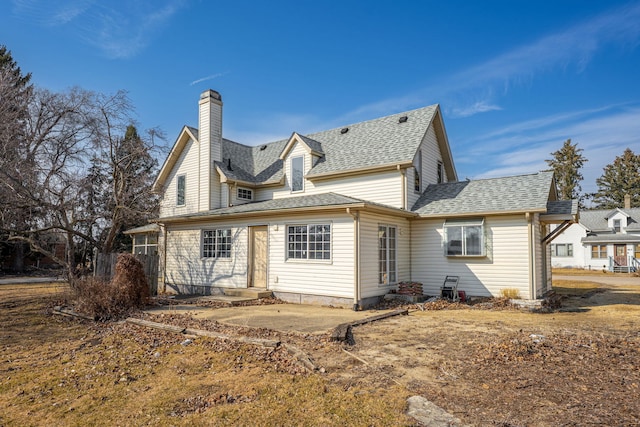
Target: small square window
x,y
245,194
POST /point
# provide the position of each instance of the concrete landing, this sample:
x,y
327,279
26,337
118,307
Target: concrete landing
x,y
252,293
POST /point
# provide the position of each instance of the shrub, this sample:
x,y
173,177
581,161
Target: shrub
x,y
127,290
510,293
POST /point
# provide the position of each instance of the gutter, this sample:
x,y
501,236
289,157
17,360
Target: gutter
x,y
356,258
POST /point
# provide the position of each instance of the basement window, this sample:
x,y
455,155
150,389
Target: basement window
x,y
464,238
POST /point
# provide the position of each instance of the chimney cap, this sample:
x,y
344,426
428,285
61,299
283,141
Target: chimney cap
x,y
210,93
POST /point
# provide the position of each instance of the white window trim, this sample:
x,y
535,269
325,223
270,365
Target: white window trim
x,y
568,247
471,222
307,259
599,251
178,190
247,191
291,169
215,248
389,283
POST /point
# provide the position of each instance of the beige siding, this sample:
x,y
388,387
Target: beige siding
x,y
333,278
215,195
186,267
506,264
369,255
431,155
380,187
186,165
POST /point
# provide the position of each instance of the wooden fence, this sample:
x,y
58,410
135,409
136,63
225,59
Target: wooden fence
x,y
106,267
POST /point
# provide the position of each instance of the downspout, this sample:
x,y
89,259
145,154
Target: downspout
x,y
532,291
356,259
164,258
403,202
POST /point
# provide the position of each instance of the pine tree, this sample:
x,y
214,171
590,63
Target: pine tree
x,y
619,178
566,164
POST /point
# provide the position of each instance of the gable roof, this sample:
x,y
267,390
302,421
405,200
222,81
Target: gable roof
x,y
514,194
597,220
384,142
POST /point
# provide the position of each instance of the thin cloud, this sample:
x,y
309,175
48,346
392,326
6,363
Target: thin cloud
x,y
204,79
120,32
478,107
494,78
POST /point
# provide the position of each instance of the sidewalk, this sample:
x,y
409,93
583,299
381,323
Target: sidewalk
x,y
24,280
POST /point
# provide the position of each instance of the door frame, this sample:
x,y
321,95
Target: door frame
x,y
617,258
251,253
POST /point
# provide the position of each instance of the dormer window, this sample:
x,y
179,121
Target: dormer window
x,y
417,172
616,225
297,173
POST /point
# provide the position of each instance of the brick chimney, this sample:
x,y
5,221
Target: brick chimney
x,y
210,145
627,201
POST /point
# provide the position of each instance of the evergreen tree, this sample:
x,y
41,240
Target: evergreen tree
x,y
619,178
566,164
15,92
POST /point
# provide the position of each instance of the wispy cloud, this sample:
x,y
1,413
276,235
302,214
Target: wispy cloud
x,y
478,107
119,32
523,147
204,79
468,91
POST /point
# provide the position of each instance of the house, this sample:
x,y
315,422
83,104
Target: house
x,y
606,239
342,216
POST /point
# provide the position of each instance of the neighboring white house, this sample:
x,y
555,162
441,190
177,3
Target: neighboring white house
x,y
602,240
341,216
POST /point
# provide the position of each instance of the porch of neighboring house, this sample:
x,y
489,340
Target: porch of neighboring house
x,y
625,260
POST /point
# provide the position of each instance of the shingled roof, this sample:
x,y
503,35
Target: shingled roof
x,y
596,220
387,140
523,193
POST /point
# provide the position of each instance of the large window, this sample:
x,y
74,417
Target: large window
x,y
312,241
387,255
145,244
297,174
464,237
564,250
216,243
598,251
181,188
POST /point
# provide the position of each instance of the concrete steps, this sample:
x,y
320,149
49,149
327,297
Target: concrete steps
x,y
251,293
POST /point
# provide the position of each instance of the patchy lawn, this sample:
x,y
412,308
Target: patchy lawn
x,y
61,371
500,366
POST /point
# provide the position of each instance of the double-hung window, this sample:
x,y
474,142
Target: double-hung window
x,y
181,190
598,251
563,250
297,173
309,241
216,243
464,237
387,255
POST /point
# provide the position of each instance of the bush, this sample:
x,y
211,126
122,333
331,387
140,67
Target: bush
x,y
510,293
127,290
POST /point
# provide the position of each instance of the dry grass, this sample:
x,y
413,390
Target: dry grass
x,y
61,371
580,272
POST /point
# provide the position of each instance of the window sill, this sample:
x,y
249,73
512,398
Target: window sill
x,y
309,261
216,259
466,256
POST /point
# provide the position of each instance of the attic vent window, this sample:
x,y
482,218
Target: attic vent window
x,y
344,130
403,119
264,147
229,164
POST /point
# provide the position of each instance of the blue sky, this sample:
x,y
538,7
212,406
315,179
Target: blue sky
x,y
514,79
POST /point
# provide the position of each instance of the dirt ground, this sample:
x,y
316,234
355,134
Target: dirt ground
x,y
486,364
